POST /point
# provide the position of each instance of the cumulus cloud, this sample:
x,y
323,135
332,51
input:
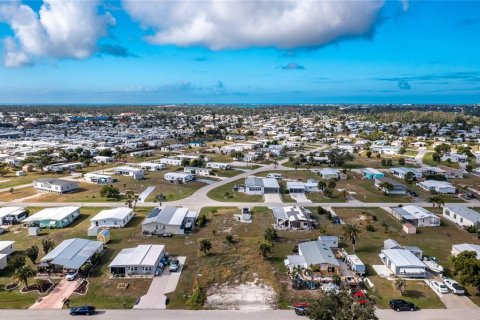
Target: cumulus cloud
x,y
60,29
293,66
232,24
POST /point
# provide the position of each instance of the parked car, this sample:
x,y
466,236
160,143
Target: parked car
x,y
82,311
174,265
71,275
412,193
454,286
401,305
439,286
166,235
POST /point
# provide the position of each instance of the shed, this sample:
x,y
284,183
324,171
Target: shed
x,y
104,236
33,231
409,228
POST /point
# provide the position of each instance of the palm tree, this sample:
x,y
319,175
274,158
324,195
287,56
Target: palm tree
x,y
297,271
47,245
135,199
399,285
351,232
24,273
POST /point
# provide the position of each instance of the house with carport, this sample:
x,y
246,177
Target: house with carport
x,y
141,260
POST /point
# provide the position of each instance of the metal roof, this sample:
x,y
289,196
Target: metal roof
x,y
6,211
115,213
169,215
146,255
72,253
413,212
317,252
58,213
465,212
403,258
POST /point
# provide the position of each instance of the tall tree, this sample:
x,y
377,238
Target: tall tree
x,y
47,245
351,232
32,253
23,273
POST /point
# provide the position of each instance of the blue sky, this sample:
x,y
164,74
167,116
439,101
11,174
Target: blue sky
x,y
205,51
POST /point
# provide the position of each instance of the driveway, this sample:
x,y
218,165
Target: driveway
x,y
272,198
453,301
300,197
145,193
166,283
54,300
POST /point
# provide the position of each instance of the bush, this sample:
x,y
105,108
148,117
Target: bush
x,y
370,228
202,220
321,210
229,238
197,299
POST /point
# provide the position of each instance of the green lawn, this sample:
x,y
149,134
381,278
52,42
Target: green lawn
x,y
428,160
11,180
219,194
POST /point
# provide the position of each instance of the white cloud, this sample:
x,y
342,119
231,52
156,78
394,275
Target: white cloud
x,y
231,24
61,29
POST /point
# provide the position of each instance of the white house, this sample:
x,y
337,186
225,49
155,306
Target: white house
x,y
58,217
180,177
437,186
169,220
403,263
459,248
293,218
402,172
455,157
135,173
198,171
12,215
256,185
141,260
171,161
55,185
219,165
415,215
461,216
152,166
328,173
98,178
103,159
314,253
71,254
6,249
112,218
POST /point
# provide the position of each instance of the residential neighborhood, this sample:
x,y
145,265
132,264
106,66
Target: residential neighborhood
x,y
152,216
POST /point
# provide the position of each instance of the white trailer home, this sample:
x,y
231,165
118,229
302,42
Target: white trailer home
x,y
152,166
179,177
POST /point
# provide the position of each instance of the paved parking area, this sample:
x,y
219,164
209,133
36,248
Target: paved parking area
x,y
453,301
166,283
300,197
54,300
272,198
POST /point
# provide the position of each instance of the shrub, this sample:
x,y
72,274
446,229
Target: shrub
x,y
370,228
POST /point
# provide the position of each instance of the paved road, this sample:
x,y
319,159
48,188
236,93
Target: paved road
x,y
431,314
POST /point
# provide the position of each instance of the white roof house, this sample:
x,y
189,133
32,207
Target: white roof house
x,y
57,217
169,220
403,263
72,253
417,216
11,215
143,259
114,218
437,186
293,217
458,248
314,253
461,215
7,247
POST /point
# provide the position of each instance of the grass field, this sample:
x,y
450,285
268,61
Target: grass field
x,y
11,180
428,160
219,194
365,190
89,192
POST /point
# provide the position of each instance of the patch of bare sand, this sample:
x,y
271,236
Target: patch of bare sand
x,y
247,296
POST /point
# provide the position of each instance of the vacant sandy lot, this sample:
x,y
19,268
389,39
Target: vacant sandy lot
x,y
247,296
